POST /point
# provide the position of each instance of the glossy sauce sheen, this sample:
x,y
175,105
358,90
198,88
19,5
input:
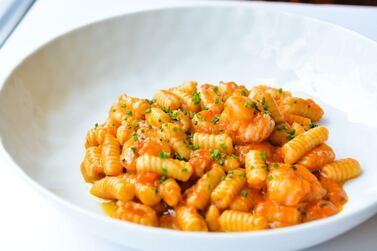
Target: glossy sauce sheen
x,y
216,158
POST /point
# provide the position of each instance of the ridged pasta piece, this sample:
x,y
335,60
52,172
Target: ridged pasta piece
x,y
136,213
278,94
132,107
303,107
342,170
157,117
116,113
167,100
264,147
278,215
292,118
124,132
187,87
110,156
201,194
212,218
229,89
221,142
176,169
318,157
228,189
91,138
335,192
231,163
266,102
235,221
256,168
297,128
170,130
113,188
189,219
180,147
182,119
92,163
170,191
281,134
187,103
210,99
147,194
129,155
301,144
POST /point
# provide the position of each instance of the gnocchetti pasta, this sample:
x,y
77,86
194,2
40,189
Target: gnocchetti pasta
x,y
218,158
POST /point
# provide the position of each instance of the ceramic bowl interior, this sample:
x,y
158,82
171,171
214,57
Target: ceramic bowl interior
x,y
55,95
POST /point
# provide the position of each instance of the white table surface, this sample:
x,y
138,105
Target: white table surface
x,y
27,222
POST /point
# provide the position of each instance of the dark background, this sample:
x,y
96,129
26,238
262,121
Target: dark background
x,y
351,2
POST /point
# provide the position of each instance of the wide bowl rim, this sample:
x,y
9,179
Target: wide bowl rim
x,y
52,197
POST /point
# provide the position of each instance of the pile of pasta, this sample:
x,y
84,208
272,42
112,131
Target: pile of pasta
x,y
216,158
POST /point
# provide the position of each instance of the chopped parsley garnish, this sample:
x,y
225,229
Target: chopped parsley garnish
x,y
192,147
275,164
209,186
196,97
222,177
244,193
163,178
216,154
204,107
269,177
248,104
179,157
223,146
174,115
148,110
215,89
264,155
166,110
151,101
164,171
134,136
234,156
133,148
263,100
280,90
114,110
123,105
282,127
221,162
129,112
207,174
164,155
184,170
291,134
149,126
95,125
294,167
217,100
215,120
175,129
243,93
255,106
265,107
312,125
241,174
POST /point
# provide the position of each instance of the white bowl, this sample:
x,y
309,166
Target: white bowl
x,y
65,87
